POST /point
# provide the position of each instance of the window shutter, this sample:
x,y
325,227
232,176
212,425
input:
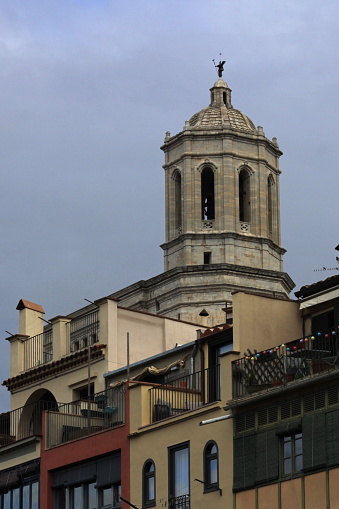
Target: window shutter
x,y
336,315
244,462
108,470
332,437
314,440
267,456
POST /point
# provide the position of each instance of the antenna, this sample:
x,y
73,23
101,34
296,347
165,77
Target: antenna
x,y
323,269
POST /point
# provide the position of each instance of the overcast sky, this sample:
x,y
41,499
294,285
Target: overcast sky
x,y
88,89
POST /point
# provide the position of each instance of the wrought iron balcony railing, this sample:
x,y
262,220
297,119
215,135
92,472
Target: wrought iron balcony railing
x,y
181,502
38,350
279,365
83,331
185,393
23,422
102,411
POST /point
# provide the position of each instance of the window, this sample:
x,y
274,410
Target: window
x,y
292,454
216,349
177,198
207,194
270,183
109,497
179,478
211,467
82,392
22,497
94,484
148,496
244,196
207,258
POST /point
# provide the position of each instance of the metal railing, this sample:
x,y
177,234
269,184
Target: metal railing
x,y
38,350
83,331
85,417
23,422
185,393
181,502
259,371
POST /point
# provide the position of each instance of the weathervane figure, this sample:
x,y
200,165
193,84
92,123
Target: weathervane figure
x,y
219,66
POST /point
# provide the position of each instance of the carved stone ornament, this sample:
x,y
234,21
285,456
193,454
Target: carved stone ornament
x,y
244,227
207,225
206,163
174,170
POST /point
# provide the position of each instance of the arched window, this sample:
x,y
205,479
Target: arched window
x,y
211,466
270,183
244,196
177,198
148,484
207,194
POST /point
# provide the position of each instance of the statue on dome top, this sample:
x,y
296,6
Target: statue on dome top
x,y
220,67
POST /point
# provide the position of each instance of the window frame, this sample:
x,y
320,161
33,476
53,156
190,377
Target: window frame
x,y
146,477
293,439
173,502
207,184
208,458
20,491
115,492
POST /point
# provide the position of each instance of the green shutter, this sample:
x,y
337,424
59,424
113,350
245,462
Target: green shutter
x,y
332,437
267,456
244,462
314,440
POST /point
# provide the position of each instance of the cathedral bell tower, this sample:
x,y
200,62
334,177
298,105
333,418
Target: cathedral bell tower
x,y
222,190
222,217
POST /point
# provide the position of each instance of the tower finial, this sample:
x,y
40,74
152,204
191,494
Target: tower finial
x,y
219,66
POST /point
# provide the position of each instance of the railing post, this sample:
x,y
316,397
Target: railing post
x,y
17,355
60,340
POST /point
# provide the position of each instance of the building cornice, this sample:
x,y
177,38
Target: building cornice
x,y
53,368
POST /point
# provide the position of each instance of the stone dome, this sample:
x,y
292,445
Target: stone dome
x,y
220,113
219,116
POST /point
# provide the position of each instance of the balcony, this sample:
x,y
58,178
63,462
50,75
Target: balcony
x,y
100,412
64,421
181,502
186,393
23,422
289,362
83,331
38,350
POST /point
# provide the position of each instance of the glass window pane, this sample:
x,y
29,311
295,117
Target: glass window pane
x,y
287,447
68,493
298,463
7,500
116,495
35,495
181,482
213,464
298,445
77,494
287,466
25,497
16,498
92,496
106,496
150,490
213,449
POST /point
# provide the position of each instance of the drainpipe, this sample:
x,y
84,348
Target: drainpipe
x,y
202,363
